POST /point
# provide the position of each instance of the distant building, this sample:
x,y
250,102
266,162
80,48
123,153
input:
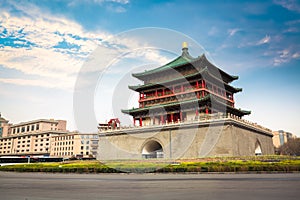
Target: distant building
x,y
30,138
4,126
280,137
40,137
74,144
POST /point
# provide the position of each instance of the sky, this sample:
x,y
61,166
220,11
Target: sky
x,y
51,51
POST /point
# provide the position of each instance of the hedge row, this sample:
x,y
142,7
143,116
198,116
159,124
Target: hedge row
x,y
198,167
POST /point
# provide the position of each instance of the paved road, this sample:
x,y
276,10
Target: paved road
x,y
32,186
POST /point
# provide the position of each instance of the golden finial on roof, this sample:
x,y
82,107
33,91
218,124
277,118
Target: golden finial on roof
x,y
184,45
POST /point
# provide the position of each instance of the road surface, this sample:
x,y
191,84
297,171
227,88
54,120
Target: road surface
x,y
33,186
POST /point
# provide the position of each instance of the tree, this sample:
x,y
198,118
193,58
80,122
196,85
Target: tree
x,y
291,147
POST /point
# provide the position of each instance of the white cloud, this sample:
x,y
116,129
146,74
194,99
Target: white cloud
x,y
283,56
264,40
291,5
50,64
296,55
35,82
111,5
232,32
117,9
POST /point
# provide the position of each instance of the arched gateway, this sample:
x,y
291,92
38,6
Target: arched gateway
x,y
152,149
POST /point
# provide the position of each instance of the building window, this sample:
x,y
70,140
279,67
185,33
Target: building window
x,y
81,148
95,136
32,127
94,142
37,126
23,129
28,128
87,147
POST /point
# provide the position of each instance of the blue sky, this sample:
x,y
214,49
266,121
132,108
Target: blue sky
x,y
44,44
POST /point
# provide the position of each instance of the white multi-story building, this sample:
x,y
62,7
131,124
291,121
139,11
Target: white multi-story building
x,y
45,137
74,144
29,138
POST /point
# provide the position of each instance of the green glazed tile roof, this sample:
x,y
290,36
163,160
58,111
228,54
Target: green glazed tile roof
x,y
205,70
208,97
184,59
174,63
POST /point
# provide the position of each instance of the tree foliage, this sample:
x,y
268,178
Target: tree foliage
x,y
291,147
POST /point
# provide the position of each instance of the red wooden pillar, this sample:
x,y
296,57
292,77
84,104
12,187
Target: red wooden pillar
x,y
162,119
180,116
203,86
197,84
163,92
198,95
171,117
206,110
141,122
155,93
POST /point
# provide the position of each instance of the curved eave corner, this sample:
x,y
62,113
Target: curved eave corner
x,y
134,87
238,89
125,111
246,112
235,77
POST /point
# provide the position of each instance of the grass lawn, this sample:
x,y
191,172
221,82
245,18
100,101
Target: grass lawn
x,y
256,164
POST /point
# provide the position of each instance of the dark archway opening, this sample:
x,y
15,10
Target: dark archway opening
x,y
152,149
